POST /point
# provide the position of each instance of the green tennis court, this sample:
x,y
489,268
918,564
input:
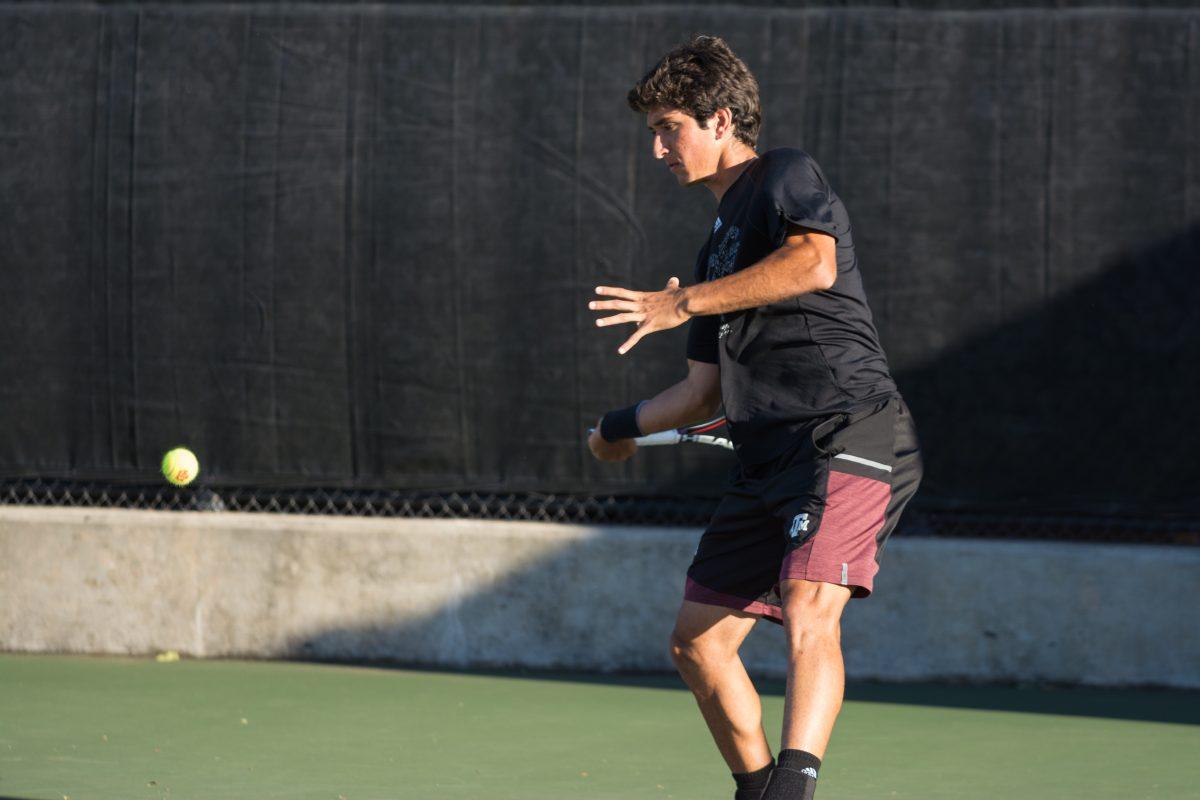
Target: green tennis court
x,y
89,728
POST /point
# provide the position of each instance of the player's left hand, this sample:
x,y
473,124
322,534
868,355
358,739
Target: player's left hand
x,y
652,311
604,450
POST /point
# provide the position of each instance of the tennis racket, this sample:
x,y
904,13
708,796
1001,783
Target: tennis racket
x,y
704,433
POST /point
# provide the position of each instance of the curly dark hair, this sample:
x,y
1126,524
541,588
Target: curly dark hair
x,y
698,77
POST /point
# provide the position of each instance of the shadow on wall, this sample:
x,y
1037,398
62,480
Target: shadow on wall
x,y
516,601
1086,404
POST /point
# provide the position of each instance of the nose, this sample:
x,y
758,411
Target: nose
x,y
659,149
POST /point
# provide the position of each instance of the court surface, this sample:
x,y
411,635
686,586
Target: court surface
x,y
84,728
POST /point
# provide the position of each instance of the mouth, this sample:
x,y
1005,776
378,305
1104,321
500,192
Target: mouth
x,y
672,164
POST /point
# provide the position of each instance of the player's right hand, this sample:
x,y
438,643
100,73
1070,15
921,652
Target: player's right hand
x,y
610,451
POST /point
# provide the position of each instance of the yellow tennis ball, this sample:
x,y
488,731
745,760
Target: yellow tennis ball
x,y
180,467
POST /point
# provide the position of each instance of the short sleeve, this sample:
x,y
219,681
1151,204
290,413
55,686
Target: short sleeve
x,y
702,339
797,193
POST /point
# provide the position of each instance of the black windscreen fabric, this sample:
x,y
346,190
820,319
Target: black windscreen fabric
x,y
352,245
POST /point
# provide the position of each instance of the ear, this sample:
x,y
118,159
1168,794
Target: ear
x,y
723,125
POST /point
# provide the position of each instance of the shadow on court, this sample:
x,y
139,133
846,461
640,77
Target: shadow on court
x,y
1140,704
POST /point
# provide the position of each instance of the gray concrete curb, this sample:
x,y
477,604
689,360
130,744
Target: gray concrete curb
x,y
465,593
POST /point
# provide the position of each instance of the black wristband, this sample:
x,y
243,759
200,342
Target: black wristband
x,y
621,424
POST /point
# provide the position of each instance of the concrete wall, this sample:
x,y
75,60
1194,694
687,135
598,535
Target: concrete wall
x,y
468,593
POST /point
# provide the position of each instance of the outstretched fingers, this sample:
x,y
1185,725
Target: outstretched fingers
x,y
635,338
652,311
614,305
616,291
617,319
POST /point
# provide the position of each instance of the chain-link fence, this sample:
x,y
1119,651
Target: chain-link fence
x,y
607,509
611,509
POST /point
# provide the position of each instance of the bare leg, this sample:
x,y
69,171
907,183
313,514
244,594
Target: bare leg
x,y
704,646
812,613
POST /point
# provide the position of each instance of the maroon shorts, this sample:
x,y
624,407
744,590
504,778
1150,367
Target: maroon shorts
x,y
822,511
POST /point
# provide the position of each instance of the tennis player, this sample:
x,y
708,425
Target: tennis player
x,y
780,333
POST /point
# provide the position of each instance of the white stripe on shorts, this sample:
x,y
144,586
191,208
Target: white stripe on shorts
x,y
864,461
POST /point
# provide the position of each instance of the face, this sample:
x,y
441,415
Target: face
x,y
691,153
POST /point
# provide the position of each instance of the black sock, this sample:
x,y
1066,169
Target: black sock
x,y
794,778
750,785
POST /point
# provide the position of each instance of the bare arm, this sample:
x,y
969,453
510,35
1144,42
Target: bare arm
x,y
805,262
694,399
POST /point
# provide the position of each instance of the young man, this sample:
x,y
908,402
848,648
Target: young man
x,y
780,333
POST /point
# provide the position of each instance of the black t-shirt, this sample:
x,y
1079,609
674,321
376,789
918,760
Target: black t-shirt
x,y
786,364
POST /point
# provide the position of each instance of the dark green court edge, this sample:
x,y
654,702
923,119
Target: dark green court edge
x,y
92,728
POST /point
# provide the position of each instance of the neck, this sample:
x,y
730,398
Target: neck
x,y
732,164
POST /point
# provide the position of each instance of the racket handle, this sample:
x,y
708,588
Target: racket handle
x,y
662,437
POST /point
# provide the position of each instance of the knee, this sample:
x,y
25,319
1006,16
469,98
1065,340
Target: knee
x,y
810,625
691,655
684,652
